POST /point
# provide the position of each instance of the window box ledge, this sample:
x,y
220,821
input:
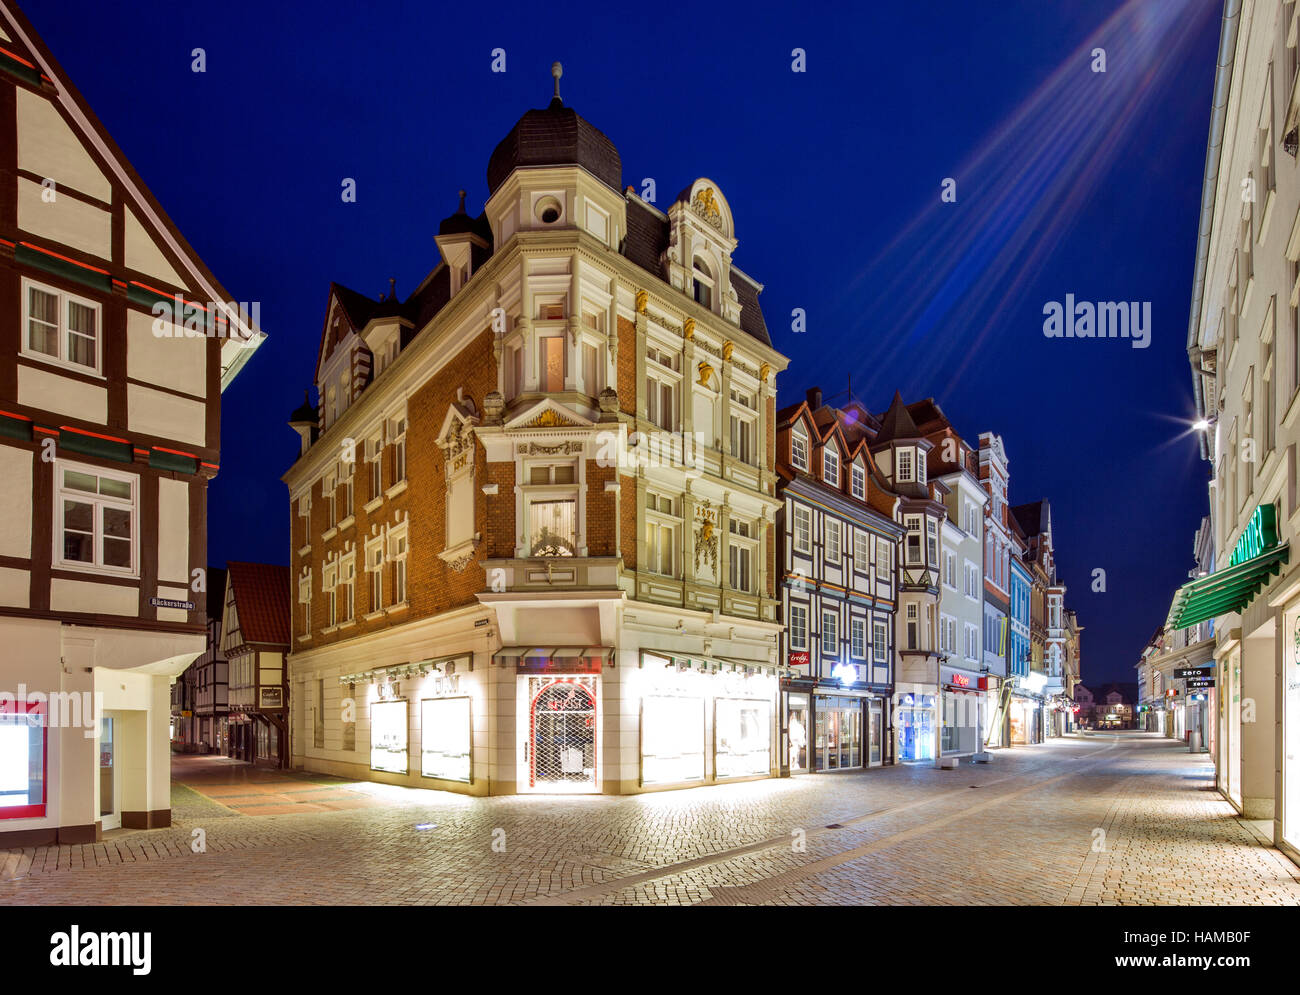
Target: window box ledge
x,y
329,630
305,551
346,523
329,534
373,504
376,614
347,625
401,606
396,489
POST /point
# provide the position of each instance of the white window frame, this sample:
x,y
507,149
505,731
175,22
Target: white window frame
x,y
831,465
906,460
797,511
396,558
879,643
64,297
830,628
799,449
395,426
832,534
858,482
98,503
858,638
798,627
375,568
862,551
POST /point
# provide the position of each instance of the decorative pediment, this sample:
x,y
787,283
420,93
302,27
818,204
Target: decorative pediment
x,y
456,437
547,413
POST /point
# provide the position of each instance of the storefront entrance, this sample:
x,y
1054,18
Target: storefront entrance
x,y
916,727
562,733
110,788
838,741
797,733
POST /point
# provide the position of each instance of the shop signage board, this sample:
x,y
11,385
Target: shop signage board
x,y
800,659
1203,682
558,665
1180,672
1260,535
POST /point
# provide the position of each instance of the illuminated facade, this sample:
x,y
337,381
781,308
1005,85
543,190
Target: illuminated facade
x,y
534,513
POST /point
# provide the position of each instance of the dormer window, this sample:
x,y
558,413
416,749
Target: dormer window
x,y
905,465
858,483
702,283
831,466
799,450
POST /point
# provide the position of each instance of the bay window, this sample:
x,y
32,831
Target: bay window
x,y
551,503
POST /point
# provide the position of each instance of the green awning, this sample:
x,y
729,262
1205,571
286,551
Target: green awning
x,y
1225,591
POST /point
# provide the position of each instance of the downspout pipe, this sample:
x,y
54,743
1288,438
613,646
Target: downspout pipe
x,y
1209,187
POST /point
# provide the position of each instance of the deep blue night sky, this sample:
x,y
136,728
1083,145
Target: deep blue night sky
x,y
833,176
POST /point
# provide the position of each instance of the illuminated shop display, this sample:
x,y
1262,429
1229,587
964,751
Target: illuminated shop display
x,y
916,727
388,736
742,733
445,738
672,738
22,763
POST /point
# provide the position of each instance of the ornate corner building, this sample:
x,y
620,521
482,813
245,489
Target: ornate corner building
x,y
533,515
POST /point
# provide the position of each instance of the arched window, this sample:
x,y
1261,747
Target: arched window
x,y
702,283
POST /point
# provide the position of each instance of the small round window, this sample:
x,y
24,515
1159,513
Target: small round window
x,y
548,210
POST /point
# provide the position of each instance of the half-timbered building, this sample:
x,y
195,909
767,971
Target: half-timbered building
x,y
840,542
115,345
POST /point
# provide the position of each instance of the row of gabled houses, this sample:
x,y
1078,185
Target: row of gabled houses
x,y
549,531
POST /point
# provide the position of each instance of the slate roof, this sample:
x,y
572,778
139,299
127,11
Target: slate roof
x,y
897,422
261,593
555,136
1029,517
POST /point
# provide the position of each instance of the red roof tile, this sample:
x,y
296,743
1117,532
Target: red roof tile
x,y
261,593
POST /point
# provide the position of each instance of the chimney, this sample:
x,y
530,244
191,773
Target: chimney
x,y
814,396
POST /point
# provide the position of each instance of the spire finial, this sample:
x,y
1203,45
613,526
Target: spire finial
x,y
557,71
461,209
392,288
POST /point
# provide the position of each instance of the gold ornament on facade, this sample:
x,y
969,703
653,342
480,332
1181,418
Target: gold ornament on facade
x,y
706,206
642,298
548,419
728,348
705,371
688,328
706,539
763,372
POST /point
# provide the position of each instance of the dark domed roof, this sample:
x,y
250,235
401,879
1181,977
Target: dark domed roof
x,y
555,136
306,413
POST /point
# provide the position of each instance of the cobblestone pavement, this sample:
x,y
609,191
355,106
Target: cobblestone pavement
x,y
1128,819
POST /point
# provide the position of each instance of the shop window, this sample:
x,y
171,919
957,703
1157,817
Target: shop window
x,y
742,737
22,760
96,519
445,738
388,736
672,738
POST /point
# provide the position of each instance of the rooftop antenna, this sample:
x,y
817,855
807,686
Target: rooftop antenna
x,y
557,71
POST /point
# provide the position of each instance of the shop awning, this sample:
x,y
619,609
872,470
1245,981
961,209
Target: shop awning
x,y
603,653
1225,591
